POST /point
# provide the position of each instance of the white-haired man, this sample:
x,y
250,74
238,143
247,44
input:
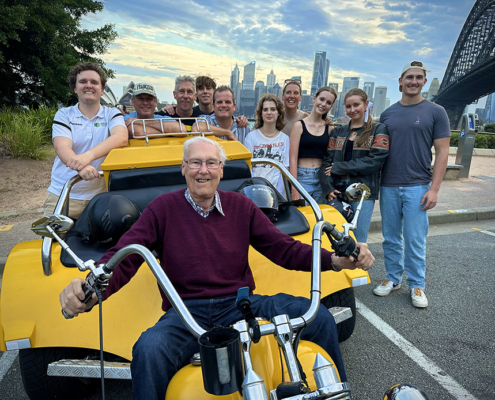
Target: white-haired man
x,y
217,229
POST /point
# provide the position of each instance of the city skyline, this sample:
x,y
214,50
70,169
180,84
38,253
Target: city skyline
x,y
368,39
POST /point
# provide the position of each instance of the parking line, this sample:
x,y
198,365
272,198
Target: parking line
x,y
6,362
447,382
488,233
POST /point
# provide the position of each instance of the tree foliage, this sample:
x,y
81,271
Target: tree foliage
x,y
40,41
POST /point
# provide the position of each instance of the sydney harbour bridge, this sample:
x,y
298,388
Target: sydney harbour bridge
x,y
470,73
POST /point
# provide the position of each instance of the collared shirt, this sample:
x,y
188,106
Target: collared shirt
x,y
216,204
240,133
85,134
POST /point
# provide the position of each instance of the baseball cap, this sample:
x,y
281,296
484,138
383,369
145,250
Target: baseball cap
x,y
412,64
144,87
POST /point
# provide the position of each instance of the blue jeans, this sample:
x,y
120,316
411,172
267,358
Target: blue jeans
x,y
168,346
404,229
308,178
364,220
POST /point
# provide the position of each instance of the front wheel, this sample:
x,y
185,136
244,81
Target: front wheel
x,y
40,386
343,298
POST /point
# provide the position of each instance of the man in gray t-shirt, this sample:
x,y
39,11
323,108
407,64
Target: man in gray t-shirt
x,y
408,187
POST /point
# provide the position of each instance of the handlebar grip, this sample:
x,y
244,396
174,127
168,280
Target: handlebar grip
x,y
88,293
355,253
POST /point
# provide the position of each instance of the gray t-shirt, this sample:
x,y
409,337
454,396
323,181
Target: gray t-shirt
x,y
412,130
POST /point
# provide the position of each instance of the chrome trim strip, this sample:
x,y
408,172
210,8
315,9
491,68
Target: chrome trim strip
x,y
89,369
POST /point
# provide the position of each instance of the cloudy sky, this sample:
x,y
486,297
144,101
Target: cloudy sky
x,y
159,40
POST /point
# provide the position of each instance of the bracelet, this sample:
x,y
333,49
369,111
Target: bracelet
x,y
334,268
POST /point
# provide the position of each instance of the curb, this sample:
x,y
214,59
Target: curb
x,y
446,217
476,152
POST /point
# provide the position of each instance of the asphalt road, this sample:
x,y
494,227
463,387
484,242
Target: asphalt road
x,y
448,349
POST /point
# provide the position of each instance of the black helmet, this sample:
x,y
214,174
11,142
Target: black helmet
x,y
110,216
264,197
405,391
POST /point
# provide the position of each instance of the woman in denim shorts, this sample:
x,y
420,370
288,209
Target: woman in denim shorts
x,y
309,142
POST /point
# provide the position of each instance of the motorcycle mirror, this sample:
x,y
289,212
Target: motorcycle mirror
x,y
355,191
57,222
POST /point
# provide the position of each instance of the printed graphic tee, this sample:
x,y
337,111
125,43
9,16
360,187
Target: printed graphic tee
x,y
276,148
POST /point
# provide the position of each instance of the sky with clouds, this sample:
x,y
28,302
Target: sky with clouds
x,y
372,40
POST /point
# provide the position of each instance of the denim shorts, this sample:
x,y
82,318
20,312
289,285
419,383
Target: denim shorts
x,y
308,178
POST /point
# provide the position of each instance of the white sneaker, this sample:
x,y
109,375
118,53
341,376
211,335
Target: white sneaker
x,y
385,287
418,298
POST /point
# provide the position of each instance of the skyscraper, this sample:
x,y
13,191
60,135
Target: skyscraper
x,y
259,90
380,100
368,87
249,73
334,85
490,109
433,90
234,85
320,71
270,79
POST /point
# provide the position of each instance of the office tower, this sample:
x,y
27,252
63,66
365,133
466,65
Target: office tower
x,y
277,90
334,85
249,72
490,109
368,87
387,103
235,86
380,99
270,79
320,71
259,90
433,90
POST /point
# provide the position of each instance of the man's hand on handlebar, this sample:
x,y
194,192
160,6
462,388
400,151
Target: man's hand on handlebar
x,y
71,298
365,259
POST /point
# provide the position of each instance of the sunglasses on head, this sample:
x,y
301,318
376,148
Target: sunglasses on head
x,y
292,81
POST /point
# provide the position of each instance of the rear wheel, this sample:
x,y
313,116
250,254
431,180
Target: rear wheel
x,y
40,386
343,298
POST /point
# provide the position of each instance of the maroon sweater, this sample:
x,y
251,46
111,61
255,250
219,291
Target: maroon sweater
x,y
207,257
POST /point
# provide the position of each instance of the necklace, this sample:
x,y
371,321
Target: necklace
x,y
269,136
356,129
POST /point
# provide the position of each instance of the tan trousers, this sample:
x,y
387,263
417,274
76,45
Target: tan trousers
x,y
76,207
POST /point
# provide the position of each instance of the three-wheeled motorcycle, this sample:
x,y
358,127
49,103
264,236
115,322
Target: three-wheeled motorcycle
x,y
60,358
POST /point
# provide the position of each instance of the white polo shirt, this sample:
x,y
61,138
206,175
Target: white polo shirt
x,y
85,134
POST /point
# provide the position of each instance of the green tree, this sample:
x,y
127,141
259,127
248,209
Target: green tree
x,y
40,40
490,128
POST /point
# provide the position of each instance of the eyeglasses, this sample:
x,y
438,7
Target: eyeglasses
x,y
195,163
292,81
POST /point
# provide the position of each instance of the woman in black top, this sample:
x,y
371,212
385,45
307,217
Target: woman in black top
x,y
356,153
309,142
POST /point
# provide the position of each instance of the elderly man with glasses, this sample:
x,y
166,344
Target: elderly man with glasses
x,y
202,237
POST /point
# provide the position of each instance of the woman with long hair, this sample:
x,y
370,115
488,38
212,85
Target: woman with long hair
x,y
356,153
268,141
308,144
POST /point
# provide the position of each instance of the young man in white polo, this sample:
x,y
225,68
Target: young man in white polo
x,y
82,136
408,186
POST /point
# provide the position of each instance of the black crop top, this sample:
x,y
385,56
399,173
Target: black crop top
x,y
311,146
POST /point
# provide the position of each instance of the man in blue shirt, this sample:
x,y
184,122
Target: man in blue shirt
x,y
408,186
223,113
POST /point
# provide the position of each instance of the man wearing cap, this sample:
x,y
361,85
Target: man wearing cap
x,y
82,137
223,113
144,101
408,186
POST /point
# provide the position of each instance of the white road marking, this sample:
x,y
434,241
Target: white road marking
x,y
6,361
447,382
488,233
